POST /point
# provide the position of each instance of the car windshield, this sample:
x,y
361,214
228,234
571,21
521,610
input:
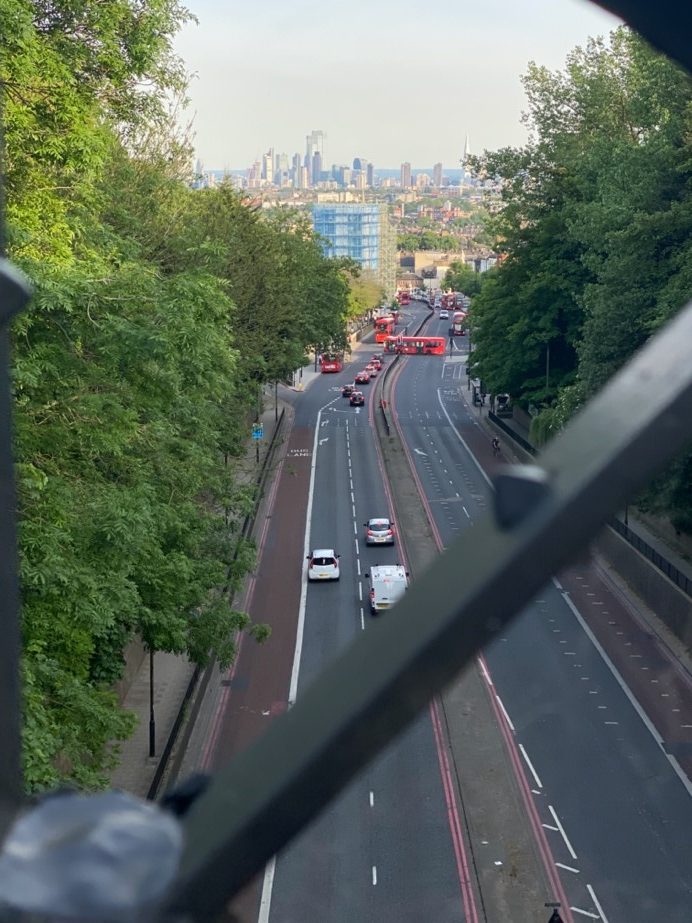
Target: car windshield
x,y
379,524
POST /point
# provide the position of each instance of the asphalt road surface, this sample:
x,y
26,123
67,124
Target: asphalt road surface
x,y
613,798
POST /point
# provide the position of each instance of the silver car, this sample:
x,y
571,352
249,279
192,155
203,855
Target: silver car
x,y
379,531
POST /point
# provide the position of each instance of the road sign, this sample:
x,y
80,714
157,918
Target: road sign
x,y
257,431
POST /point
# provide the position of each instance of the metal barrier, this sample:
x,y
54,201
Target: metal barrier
x,y
682,581
498,421
663,564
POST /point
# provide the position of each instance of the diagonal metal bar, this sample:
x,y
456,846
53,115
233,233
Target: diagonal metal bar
x,y
254,806
667,24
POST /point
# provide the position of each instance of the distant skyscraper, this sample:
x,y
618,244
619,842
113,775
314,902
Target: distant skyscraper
x,y
437,174
268,165
464,161
316,168
370,175
314,142
405,175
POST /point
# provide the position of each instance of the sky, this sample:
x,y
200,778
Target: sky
x,y
388,80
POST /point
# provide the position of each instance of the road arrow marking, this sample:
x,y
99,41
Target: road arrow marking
x,y
420,452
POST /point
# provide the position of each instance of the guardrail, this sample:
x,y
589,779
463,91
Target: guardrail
x,y
498,421
682,581
198,673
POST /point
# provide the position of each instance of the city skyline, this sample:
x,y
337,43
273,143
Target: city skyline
x,y
387,88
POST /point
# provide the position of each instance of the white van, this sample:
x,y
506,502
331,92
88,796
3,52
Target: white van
x,y
388,584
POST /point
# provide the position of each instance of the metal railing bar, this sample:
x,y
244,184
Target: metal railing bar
x,y
256,804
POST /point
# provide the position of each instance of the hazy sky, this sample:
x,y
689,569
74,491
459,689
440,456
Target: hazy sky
x,y
388,81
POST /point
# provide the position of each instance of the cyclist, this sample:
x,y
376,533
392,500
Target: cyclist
x,y
496,445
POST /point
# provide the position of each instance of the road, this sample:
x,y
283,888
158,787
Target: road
x,y
384,850
580,726
614,803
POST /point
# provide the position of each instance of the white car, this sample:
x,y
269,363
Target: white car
x,y
444,314
323,564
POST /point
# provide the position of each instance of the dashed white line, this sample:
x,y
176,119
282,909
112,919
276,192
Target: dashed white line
x,y
372,799
362,620
466,511
530,765
562,831
486,675
355,529
567,868
596,903
374,875
360,591
358,566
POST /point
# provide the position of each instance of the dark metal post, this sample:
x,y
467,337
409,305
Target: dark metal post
x,y
152,719
547,365
276,401
14,295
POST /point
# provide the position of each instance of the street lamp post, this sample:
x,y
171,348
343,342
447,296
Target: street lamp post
x,y
152,719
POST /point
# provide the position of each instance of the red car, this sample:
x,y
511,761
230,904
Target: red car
x,y
357,399
363,378
372,369
348,390
377,363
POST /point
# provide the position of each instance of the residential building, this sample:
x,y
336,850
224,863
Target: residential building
x,y
370,175
437,175
405,175
362,232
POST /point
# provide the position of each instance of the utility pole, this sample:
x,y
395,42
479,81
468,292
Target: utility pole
x,y
547,365
152,719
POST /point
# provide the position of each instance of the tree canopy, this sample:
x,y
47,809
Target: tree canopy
x,y
159,312
595,224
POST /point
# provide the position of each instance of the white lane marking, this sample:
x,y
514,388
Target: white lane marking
x,y
485,673
295,669
353,510
372,799
630,695
550,827
557,583
360,591
585,913
567,868
562,831
355,529
596,903
420,452
466,511
353,497
358,566
504,712
530,765
355,542
267,885
462,440
362,620
374,875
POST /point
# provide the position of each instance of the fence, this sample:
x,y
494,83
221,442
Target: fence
x,y
663,564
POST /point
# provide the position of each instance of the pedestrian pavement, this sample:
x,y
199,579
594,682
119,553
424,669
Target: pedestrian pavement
x,y
135,770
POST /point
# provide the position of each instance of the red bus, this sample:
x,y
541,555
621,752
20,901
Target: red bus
x,y
384,327
332,362
403,298
458,325
411,346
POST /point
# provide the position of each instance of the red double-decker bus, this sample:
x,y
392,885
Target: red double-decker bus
x,y
384,327
403,298
412,346
458,325
332,362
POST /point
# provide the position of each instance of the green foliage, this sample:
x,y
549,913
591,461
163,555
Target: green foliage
x,y
427,240
595,223
158,314
461,278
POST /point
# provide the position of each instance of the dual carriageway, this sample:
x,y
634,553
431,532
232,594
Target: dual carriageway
x,y
547,775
